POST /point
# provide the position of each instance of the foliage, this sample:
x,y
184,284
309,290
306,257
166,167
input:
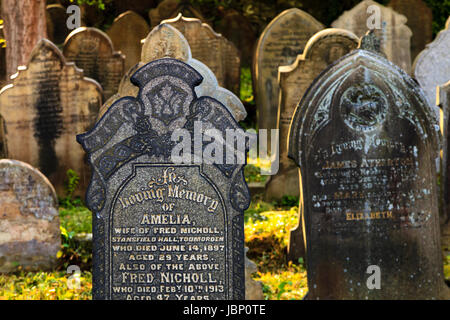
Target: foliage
x,y
253,174
76,218
44,286
441,12
71,184
100,4
246,91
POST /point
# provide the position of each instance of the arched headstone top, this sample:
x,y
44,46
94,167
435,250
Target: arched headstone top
x,y
78,32
181,20
362,74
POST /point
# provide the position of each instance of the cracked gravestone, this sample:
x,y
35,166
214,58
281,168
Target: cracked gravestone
x,y
126,33
47,103
365,140
323,49
392,30
92,50
29,224
165,229
282,40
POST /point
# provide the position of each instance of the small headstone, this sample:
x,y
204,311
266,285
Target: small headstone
x,y
209,47
253,289
92,50
365,140
126,34
168,9
443,101
48,102
58,16
322,49
166,41
420,21
395,36
432,67
29,219
149,211
283,39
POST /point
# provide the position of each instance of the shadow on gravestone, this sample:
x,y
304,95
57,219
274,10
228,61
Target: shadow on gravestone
x,y
166,41
395,36
211,48
92,50
282,40
29,225
365,140
322,49
146,205
443,96
48,102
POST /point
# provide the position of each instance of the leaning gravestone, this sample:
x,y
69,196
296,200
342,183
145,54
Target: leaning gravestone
x,y
420,21
29,224
165,230
166,41
209,47
432,67
365,140
92,50
283,39
58,16
48,102
322,49
394,34
126,34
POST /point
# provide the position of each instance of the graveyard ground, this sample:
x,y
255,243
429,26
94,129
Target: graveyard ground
x,y
266,235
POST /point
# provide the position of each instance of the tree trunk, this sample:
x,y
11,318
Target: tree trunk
x,y
24,26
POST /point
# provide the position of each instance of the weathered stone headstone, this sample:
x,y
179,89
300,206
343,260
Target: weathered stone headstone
x,y
164,230
443,101
322,49
239,30
48,102
420,20
432,67
126,34
92,50
283,39
365,140
253,289
394,34
29,224
58,16
168,9
166,41
209,47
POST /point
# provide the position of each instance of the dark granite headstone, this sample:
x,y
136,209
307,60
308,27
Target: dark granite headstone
x,y
365,140
164,230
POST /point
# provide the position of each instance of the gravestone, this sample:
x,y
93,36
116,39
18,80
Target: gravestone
x,y
281,41
432,67
48,102
29,224
239,30
394,34
209,47
322,49
58,30
365,140
168,9
420,21
92,50
141,7
443,101
166,230
166,41
126,34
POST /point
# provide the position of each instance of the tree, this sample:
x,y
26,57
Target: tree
x,y
24,26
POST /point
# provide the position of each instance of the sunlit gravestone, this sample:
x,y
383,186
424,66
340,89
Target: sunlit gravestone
x,y
49,102
165,228
365,140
